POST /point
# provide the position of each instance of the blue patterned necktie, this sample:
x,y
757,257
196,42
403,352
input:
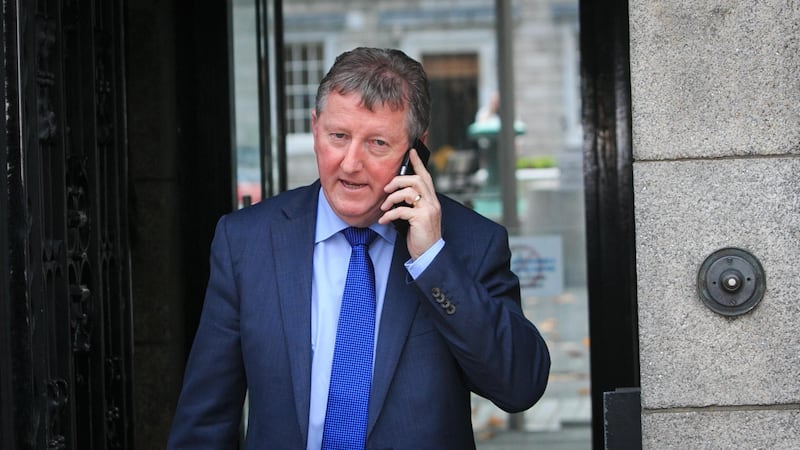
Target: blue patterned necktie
x,y
351,372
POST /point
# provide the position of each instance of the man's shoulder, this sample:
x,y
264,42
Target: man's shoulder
x,y
456,216
295,204
301,199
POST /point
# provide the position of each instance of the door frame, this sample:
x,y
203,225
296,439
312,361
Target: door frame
x,y
608,184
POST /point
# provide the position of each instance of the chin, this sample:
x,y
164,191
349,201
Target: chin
x,y
359,218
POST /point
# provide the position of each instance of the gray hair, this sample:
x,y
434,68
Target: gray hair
x,y
385,77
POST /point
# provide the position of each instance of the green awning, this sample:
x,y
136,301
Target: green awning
x,y
490,128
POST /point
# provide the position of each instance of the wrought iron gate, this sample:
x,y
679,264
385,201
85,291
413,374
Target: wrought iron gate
x,y
66,343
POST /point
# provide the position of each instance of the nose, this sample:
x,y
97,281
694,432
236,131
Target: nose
x,y
352,159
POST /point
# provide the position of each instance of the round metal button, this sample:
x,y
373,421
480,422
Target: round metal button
x,y
731,281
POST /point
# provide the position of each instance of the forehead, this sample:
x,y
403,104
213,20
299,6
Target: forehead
x,y
349,110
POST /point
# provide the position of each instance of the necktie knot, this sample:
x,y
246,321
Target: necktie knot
x,y
359,236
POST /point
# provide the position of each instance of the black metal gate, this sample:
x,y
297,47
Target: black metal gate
x,y
66,331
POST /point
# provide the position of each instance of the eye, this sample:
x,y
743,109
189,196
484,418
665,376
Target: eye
x,y
338,136
379,142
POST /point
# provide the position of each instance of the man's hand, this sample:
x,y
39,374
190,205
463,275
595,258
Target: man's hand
x,y
424,215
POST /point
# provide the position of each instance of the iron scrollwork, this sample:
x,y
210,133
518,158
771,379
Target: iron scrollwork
x,y
58,397
76,278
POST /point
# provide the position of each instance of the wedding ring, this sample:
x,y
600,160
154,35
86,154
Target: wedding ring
x,y
416,199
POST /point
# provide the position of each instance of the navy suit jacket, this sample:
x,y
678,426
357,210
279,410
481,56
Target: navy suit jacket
x,y
254,335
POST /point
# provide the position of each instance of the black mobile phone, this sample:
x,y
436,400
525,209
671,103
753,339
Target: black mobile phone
x,y
422,151
407,169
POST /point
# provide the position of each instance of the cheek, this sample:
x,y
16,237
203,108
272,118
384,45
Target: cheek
x,y
384,172
326,159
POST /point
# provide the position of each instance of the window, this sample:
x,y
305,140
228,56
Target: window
x,y
304,70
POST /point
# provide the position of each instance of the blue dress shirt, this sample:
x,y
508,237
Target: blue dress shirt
x,y
331,258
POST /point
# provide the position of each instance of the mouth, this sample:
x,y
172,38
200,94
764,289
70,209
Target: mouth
x,y
351,185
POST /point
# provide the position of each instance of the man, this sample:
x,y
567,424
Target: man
x,y
447,315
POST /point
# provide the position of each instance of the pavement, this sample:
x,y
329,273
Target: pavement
x,y
568,438
552,424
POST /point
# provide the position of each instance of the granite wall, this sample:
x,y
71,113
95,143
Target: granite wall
x,y
716,138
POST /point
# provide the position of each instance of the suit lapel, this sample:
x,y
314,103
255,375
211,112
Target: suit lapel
x,y
399,308
293,245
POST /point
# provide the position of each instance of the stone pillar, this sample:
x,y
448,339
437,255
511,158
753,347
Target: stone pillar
x,y
716,138
156,258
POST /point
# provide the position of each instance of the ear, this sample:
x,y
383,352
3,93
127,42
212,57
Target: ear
x,y
314,123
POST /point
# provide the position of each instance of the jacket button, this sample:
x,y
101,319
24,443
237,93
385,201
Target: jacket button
x,y
450,309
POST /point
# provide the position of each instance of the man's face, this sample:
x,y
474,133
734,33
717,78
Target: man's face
x,y
358,153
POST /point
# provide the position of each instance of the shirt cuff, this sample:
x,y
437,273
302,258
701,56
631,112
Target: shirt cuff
x,y
416,267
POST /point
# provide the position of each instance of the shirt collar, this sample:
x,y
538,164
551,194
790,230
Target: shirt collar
x,y
328,223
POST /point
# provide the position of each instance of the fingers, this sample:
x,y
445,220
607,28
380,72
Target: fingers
x,y
408,196
417,164
409,193
413,198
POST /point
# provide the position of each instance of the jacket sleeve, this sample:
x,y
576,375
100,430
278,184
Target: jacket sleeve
x,y
476,299
209,410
